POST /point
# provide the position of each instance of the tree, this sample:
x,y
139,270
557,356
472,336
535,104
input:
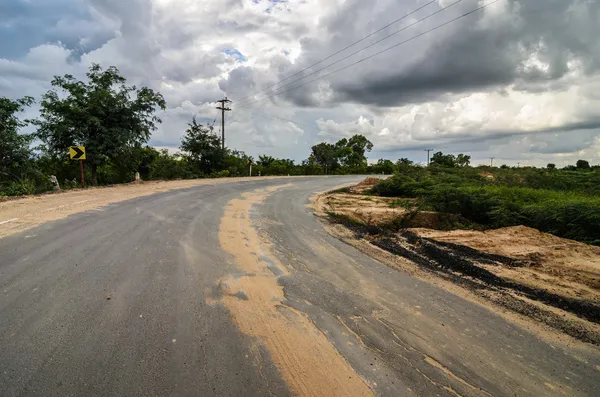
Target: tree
x,y
311,167
583,165
14,147
353,155
265,160
103,114
349,153
404,162
463,160
443,160
203,147
551,166
384,166
326,155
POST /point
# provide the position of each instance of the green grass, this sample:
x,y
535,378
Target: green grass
x,y
564,203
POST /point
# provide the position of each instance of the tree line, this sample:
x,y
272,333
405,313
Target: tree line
x,y
114,122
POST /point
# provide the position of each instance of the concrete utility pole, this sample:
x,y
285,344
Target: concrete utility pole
x,y
223,108
492,161
428,150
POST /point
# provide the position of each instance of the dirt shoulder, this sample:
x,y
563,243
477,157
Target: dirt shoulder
x,y
20,214
526,275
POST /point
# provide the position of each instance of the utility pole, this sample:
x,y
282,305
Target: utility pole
x,y
492,161
223,108
428,150
518,165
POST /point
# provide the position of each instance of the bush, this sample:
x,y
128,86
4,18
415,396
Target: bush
x,y
18,188
530,197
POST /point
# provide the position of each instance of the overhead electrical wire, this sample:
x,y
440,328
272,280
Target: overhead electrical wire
x,y
362,49
373,55
339,51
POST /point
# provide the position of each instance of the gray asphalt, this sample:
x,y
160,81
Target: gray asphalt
x,y
108,303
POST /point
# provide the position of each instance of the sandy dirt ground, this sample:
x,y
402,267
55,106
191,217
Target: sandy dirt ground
x,y
565,267
362,208
17,215
550,280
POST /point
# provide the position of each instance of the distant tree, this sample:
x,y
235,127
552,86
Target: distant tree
x,y
349,153
326,155
403,162
384,166
203,147
355,153
583,165
236,163
504,167
104,115
14,147
310,166
265,161
551,166
443,160
463,160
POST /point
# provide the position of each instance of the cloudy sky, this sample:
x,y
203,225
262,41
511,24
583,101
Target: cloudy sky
x,y
518,80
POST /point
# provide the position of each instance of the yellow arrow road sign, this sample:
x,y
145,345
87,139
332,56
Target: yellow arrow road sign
x,y
77,152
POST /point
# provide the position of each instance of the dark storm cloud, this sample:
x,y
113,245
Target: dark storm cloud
x,y
476,53
25,24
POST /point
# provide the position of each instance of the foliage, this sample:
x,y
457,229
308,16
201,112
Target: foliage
x,y
203,148
564,203
583,165
104,115
345,153
384,167
449,160
15,153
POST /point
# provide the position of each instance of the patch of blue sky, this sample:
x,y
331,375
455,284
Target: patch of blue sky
x,y
236,54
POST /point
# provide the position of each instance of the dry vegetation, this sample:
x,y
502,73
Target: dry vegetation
x,y
552,280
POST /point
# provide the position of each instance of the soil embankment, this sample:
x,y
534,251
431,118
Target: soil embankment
x,y
548,279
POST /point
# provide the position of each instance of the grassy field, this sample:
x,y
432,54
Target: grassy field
x,y
564,203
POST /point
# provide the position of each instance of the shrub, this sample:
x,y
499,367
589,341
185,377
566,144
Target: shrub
x,y
18,188
567,205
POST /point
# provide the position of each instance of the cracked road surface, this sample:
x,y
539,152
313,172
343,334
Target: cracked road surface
x,y
236,289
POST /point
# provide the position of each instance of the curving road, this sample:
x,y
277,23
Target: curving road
x,y
237,290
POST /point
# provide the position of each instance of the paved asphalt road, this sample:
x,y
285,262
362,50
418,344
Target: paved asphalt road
x,y
162,334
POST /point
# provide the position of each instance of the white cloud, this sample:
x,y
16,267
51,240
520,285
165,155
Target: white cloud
x,y
500,84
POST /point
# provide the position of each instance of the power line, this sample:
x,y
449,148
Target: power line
x,y
377,53
342,50
364,48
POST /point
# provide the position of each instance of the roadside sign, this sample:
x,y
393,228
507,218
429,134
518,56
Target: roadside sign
x,y
77,152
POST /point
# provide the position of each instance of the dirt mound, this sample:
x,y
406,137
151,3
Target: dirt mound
x,y
368,210
547,279
566,267
365,185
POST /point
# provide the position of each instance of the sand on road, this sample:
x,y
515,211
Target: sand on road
x,y
20,214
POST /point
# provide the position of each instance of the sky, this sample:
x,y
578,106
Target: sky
x,y
518,80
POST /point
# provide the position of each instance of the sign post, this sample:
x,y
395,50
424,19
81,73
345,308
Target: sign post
x,y
81,173
250,164
78,153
